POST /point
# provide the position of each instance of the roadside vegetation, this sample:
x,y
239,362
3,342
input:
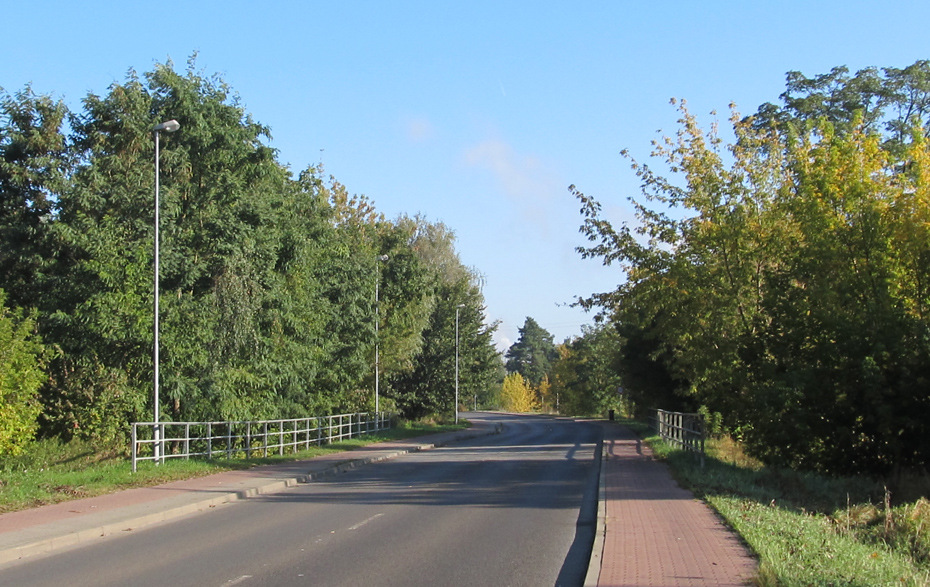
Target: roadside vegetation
x,y
52,471
776,279
778,273
808,529
277,286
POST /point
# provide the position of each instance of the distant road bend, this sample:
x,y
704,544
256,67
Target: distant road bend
x,y
517,508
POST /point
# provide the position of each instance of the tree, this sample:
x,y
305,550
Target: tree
x,y
267,281
532,354
790,289
428,387
585,373
34,165
517,395
890,101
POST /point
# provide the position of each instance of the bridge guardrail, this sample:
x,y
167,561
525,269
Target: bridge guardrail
x,y
168,440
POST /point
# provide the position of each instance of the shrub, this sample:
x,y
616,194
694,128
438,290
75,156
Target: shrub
x,y
21,375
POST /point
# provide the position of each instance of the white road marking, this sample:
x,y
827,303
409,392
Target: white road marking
x,y
360,524
236,581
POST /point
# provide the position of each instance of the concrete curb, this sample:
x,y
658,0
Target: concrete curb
x,y
597,551
73,532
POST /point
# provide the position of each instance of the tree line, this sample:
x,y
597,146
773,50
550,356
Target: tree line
x,y
267,278
781,278
576,377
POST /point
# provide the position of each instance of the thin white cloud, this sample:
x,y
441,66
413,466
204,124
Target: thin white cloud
x,y
524,179
419,130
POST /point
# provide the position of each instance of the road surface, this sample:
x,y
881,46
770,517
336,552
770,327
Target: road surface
x,y
515,508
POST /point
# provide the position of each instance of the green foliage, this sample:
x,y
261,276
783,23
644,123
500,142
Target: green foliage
x,y
533,353
889,101
33,165
585,378
427,387
267,282
21,374
789,293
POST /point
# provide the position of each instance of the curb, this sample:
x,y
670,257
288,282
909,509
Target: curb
x,y
593,575
72,538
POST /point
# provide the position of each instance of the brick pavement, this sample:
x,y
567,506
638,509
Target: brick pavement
x,y
657,534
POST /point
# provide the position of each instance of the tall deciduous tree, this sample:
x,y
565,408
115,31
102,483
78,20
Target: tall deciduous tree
x,y
788,294
34,166
429,386
585,375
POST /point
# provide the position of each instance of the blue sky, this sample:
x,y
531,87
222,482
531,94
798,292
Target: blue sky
x,y
476,114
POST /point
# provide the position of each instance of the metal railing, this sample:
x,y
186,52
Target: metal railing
x,y
170,440
685,431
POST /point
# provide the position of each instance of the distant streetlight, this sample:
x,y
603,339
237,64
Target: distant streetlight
x,y
457,308
169,126
381,259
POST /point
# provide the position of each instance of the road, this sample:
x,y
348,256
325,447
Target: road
x,y
515,508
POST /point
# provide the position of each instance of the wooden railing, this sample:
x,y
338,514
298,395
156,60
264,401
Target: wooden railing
x,y
682,430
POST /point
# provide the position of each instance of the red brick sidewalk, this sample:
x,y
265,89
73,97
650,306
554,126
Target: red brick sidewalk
x,y
657,534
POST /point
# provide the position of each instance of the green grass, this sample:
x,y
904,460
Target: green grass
x,y
52,472
806,529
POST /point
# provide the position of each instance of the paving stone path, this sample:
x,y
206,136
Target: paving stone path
x,y
658,534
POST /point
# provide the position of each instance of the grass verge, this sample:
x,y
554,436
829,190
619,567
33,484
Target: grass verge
x,y
806,529
51,471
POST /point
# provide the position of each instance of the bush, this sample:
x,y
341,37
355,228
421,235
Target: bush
x,y
21,375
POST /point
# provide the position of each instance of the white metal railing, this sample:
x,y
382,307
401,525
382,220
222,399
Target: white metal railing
x,y
169,440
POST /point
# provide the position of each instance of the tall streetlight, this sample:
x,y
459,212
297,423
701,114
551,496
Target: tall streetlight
x,y
169,126
457,308
381,259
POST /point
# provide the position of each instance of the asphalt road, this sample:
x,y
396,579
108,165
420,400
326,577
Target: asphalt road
x,y
516,508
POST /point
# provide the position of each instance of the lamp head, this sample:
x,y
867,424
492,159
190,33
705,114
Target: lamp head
x,y
168,126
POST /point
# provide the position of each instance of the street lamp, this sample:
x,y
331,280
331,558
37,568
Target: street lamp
x,y
169,126
457,308
381,259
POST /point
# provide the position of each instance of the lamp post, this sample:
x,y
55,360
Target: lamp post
x,y
381,259
457,308
169,126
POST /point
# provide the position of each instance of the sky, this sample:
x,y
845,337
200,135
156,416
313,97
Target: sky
x,y
475,114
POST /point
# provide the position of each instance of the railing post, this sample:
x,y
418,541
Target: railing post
x,y
187,441
209,440
701,423
134,450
